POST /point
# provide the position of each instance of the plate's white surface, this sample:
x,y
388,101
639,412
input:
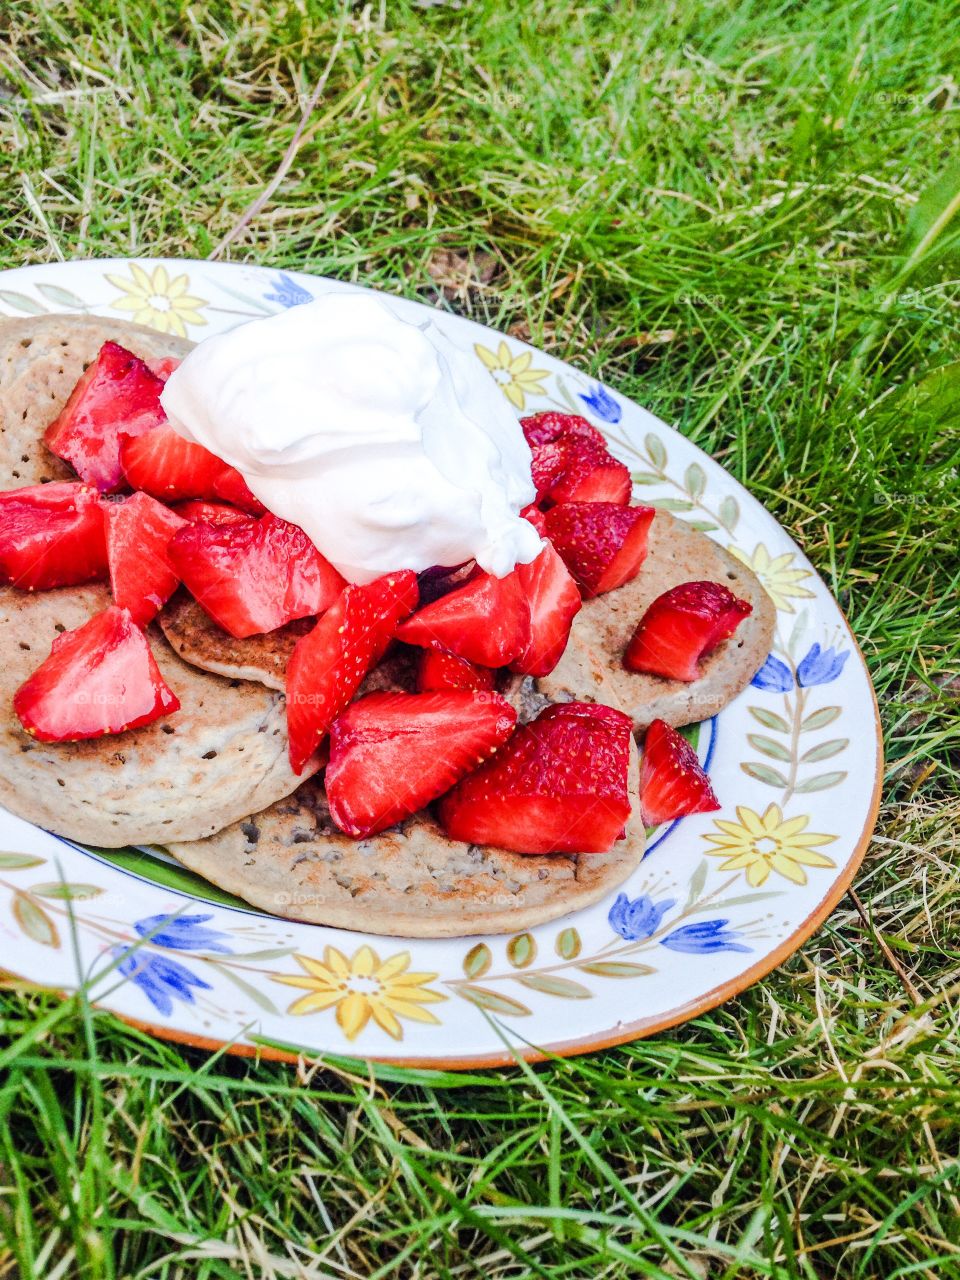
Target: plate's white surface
x,y
719,900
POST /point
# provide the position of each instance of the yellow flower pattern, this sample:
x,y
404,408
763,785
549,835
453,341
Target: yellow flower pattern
x,y
158,300
761,844
781,580
513,374
361,988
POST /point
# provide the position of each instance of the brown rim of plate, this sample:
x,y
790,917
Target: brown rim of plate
x,y
610,1039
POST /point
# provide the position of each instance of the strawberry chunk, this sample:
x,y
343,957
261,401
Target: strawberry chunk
x,y
672,781
100,678
170,468
546,467
602,544
392,753
553,601
683,625
116,395
51,535
588,472
210,512
256,576
393,598
439,670
549,426
536,518
558,786
487,621
329,663
138,531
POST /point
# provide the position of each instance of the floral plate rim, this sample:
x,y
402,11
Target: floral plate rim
x,y
512,365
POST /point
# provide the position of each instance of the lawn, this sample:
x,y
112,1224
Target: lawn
x,y
741,216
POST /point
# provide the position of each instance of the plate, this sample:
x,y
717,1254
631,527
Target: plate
x,y
719,900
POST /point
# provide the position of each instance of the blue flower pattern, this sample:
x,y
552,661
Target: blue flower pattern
x,y
818,666
773,677
160,979
287,292
638,918
703,938
602,404
181,933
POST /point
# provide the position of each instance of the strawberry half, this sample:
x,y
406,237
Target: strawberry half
x,y
116,395
672,781
100,678
439,670
558,786
392,753
487,621
329,663
138,531
51,535
210,512
601,543
683,625
546,467
588,472
553,601
549,426
253,577
170,468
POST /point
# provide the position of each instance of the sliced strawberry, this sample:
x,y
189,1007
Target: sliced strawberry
x,y
672,781
138,532
100,678
163,366
554,601
602,544
439,670
231,487
487,621
682,626
393,598
255,576
588,472
558,786
549,426
210,512
51,535
329,663
170,468
117,394
392,753
547,466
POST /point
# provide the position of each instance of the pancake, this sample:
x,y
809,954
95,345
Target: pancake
x,y
195,636
40,362
410,881
222,756
603,627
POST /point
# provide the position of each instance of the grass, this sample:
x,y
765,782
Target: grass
x,y
719,209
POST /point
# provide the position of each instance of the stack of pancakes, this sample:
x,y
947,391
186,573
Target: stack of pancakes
x,y
213,784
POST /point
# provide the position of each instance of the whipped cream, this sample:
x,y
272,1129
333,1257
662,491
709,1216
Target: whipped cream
x,y
390,446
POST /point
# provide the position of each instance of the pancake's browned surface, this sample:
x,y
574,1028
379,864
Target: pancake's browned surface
x,y
199,640
217,759
602,630
40,362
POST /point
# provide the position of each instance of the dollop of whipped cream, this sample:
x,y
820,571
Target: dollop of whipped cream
x,y
390,446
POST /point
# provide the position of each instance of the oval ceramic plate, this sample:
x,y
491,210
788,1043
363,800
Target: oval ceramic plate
x,y
719,900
